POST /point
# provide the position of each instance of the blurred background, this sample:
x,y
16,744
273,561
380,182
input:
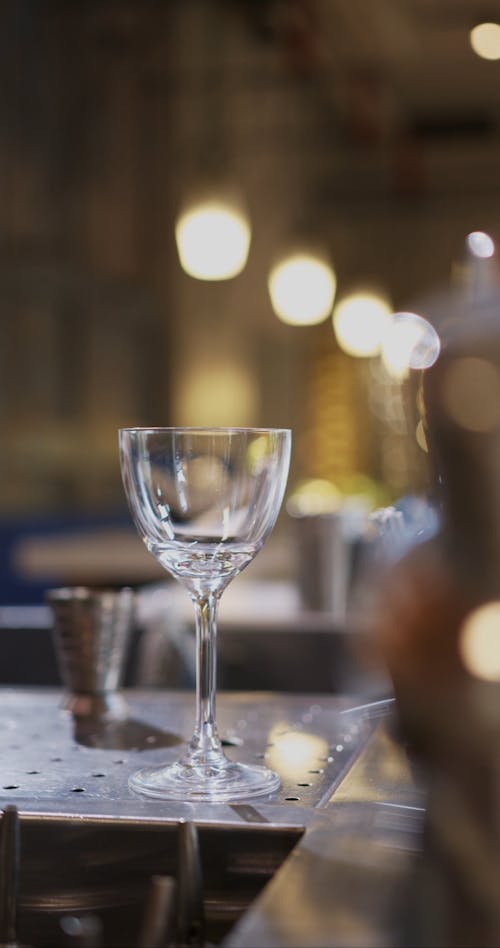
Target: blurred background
x,y
342,141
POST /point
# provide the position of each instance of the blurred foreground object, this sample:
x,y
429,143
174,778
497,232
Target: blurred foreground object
x,y
437,623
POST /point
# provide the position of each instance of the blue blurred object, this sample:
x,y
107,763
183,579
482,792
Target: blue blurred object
x,y
15,586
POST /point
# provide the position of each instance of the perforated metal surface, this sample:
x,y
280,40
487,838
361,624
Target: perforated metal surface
x,y
50,768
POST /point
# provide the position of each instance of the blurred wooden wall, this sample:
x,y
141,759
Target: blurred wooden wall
x,y
83,243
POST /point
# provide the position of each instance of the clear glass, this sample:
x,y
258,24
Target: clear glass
x,y
204,500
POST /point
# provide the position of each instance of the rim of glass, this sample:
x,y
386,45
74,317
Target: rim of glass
x,y
203,430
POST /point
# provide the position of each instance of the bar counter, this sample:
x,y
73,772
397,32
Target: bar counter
x,y
323,862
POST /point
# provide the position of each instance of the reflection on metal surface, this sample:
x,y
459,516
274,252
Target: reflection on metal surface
x,y
123,734
296,755
346,884
45,771
381,774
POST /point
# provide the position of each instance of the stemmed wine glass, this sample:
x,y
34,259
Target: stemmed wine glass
x,y
204,500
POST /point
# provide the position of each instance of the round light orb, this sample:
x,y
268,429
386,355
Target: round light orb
x,y
479,642
485,40
409,342
480,244
360,321
213,240
302,290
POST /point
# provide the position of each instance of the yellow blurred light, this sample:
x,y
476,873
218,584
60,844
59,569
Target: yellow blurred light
x,y
293,753
409,342
302,289
217,393
213,239
479,642
257,452
471,394
360,321
485,40
480,244
314,496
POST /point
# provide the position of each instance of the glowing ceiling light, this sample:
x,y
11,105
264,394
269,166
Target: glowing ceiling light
x,y
409,342
485,40
360,321
479,642
213,239
302,289
480,244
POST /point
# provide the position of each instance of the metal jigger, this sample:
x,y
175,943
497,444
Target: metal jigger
x,y
91,631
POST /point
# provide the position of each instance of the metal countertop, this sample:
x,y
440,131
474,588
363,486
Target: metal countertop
x,y
52,767
349,879
347,791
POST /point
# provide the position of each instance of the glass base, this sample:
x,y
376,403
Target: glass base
x,y
225,781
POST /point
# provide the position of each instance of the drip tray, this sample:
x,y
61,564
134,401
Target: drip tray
x,y
91,846
51,766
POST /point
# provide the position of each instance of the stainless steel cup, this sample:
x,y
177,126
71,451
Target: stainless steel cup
x,y
91,633
327,547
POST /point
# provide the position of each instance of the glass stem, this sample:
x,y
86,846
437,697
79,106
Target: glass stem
x,y
205,738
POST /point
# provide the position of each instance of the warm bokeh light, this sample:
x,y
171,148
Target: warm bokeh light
x,y
314,496
479,642
360,321
302,290
213,240
293,753
480,244
471,394
485,40
409,342
217,393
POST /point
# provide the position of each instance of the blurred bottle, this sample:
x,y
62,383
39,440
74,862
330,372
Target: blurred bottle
x,y
435,622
